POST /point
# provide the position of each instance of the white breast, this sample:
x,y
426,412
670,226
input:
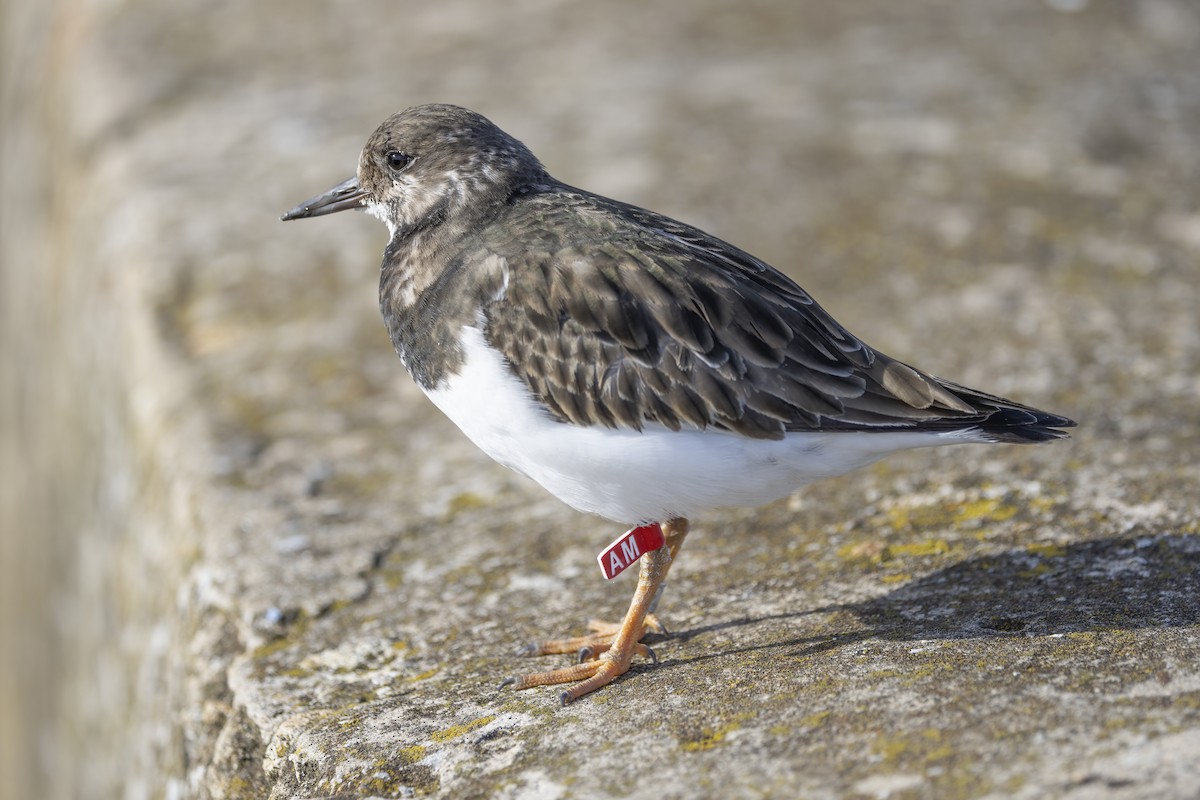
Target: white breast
x,y
652,475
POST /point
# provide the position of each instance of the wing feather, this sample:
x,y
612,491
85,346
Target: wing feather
x,y
651,321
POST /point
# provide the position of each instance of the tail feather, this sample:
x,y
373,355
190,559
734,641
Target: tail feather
x,y
1006,421
1021,427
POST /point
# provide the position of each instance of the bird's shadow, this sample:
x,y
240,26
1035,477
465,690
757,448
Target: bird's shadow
x,y
1118,583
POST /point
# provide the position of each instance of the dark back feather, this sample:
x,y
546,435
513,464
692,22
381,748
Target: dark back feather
x,y
617,316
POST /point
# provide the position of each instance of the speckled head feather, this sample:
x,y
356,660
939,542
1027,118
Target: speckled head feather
x,y
431,162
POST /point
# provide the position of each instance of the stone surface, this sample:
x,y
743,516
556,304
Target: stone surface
x,y
259,564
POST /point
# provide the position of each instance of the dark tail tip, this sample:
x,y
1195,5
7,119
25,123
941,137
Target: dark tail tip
x,y
1025,426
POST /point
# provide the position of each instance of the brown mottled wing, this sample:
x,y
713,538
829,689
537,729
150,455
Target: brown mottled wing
x,y
617,316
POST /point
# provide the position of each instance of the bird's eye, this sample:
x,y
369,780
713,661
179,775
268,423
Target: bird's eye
x,y
397,160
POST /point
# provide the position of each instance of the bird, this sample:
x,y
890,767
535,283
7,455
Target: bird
x,y
636,367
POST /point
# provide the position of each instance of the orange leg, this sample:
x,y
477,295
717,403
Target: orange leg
x,y
609,653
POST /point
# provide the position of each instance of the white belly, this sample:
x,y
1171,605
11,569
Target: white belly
x,y
647,476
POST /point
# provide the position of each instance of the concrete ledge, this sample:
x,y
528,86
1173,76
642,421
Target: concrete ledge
x,y
261,565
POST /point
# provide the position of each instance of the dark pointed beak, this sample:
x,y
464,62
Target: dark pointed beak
x,y
347,194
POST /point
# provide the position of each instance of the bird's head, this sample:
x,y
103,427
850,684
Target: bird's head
x,y
428,163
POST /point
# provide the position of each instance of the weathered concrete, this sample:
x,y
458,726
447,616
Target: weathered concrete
x,y
274,570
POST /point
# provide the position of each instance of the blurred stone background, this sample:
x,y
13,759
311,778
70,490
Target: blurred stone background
x,y
243,557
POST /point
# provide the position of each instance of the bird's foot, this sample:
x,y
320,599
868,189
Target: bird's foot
x,y
589,647
598,671
598,663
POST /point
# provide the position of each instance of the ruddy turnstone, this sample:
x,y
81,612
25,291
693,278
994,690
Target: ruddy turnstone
x,y
636,367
